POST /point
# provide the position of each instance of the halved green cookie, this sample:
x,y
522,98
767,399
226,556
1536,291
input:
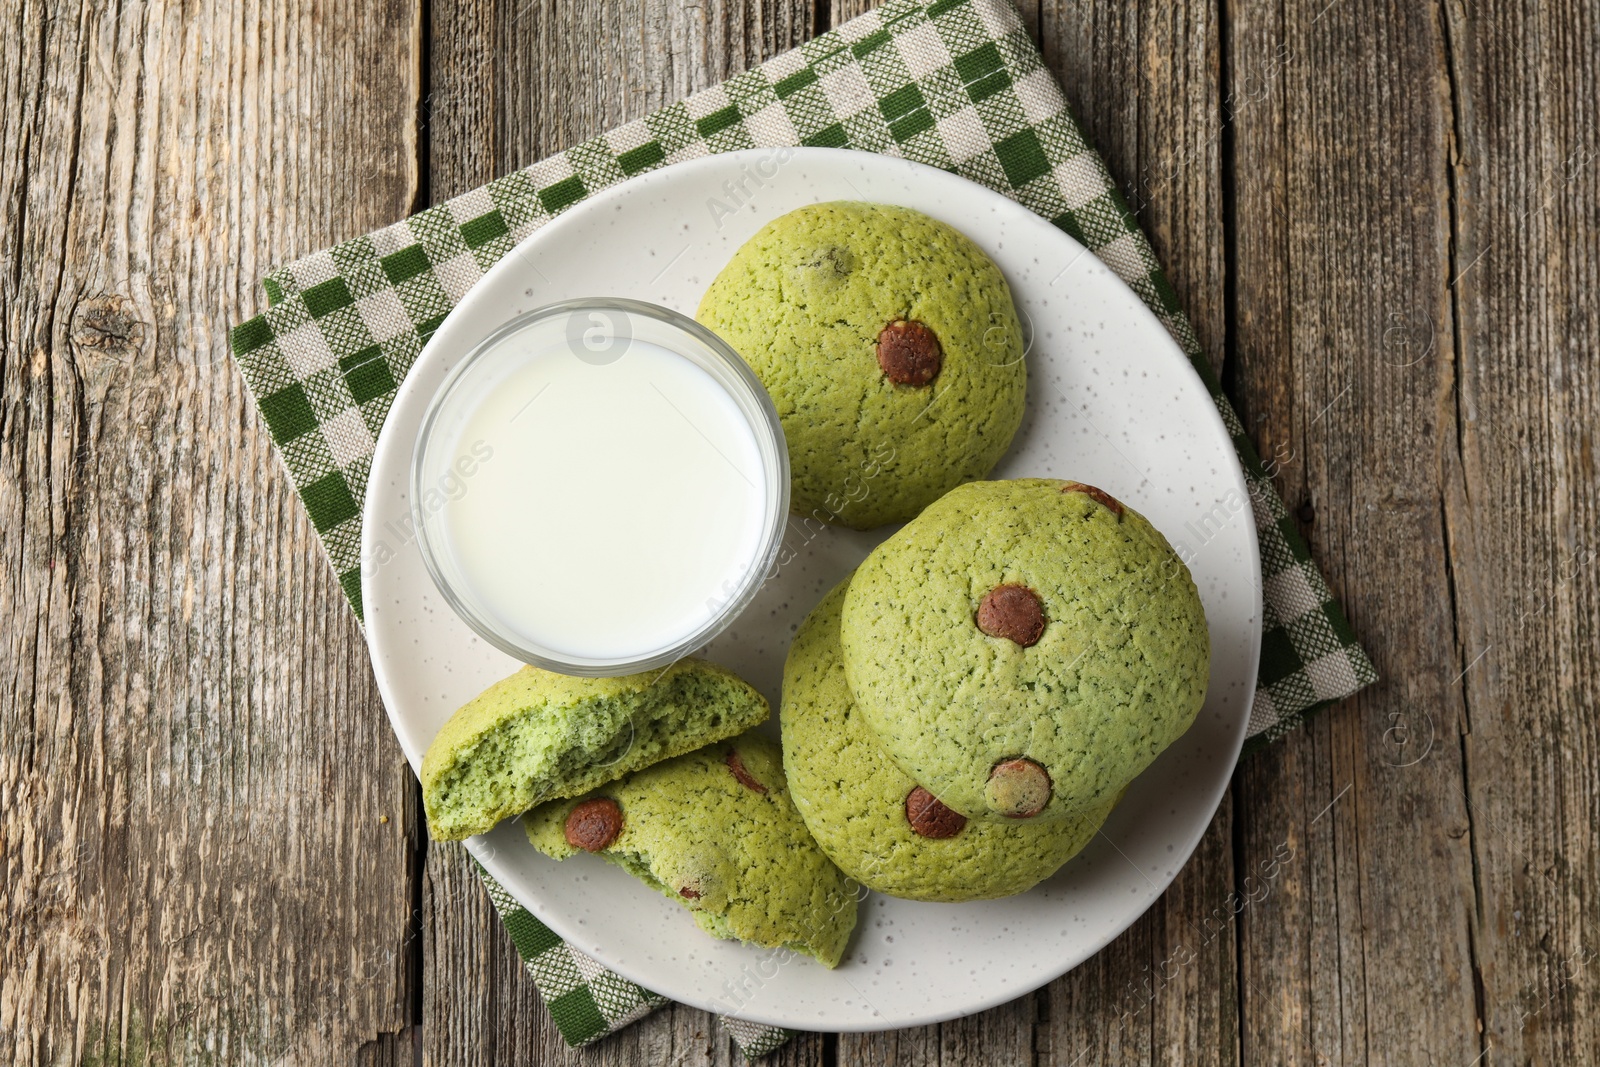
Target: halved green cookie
x,y
716,831
538,735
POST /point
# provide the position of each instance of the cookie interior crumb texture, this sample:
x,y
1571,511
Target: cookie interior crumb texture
x,y
739,858
891,348
538,735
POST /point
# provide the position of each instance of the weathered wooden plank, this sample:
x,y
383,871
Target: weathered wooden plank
x,y
1340,359
489,1011
204,820
174,644
514,82
838,11
1146,83
1211,972
1521,505
1165,991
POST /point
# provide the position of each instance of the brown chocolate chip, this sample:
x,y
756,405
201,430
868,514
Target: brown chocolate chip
x,y
1018,788
689,892
908,353
1012,611
594,824
929,818
1098,494
746,779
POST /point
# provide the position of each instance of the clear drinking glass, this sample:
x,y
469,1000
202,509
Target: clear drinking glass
x,y
597,331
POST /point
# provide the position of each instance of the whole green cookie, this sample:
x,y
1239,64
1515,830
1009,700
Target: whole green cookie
x,y
878,825
716,831
1025,648
890,346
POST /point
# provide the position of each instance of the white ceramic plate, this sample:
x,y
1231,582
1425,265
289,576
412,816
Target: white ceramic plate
x,y
1111,401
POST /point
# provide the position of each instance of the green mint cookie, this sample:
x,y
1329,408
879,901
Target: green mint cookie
x,y
716,831
1023,649
538,735
890,346
874,821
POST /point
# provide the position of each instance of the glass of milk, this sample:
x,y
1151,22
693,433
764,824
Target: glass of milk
x,y
600,487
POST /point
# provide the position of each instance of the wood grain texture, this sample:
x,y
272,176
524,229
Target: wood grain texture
x,y
194,870
1143,80
1341,361
1384,221
1521,502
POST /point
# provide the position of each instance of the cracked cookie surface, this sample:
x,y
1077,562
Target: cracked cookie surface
x,y
1110,671
891,349
876,822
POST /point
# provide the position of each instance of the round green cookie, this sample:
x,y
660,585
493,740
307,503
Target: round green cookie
x,y
855,800
1102,661
876,431
717,831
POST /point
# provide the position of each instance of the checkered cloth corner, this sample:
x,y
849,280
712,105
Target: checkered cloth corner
x,y
956,84
753,1039
585,1000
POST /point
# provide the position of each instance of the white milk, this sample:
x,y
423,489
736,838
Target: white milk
x,y
612,506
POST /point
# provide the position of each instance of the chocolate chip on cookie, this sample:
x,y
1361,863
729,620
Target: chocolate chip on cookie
x,y
746,779
1014,612
594,824
1098,494
929,818
909,353
1018,788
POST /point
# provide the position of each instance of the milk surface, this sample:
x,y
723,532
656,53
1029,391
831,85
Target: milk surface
x,y
612,507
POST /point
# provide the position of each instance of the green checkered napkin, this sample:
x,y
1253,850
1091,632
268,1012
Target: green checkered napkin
x,y
587,1001
955,84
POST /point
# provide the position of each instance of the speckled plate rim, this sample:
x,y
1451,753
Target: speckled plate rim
x,y
1150,835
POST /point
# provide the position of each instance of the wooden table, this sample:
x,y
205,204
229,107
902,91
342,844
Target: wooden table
x,y
1384,220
